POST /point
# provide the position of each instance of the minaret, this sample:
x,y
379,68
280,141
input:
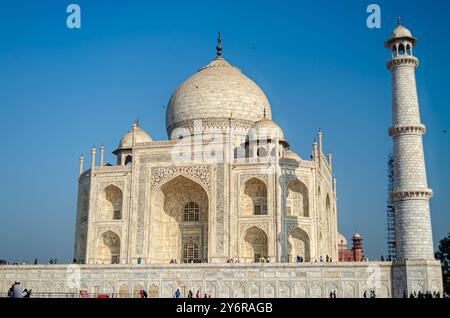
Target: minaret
x,y
81,164
357,248
102,155
93,151
410,190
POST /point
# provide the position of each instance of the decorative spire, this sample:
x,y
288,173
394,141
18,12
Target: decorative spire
x,y
219,46
399,22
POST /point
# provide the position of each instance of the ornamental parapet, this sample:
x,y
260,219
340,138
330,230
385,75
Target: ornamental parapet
x,y
412,194
407,60
409,129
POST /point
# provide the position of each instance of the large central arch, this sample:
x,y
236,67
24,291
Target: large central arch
x,y
179,222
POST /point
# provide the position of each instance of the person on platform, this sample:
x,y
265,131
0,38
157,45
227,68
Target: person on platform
x,y
18,291
143,293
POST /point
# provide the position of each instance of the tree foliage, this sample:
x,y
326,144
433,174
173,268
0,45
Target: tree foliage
x,y
443,254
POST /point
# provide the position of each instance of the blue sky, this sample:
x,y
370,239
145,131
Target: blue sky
x,y
62,91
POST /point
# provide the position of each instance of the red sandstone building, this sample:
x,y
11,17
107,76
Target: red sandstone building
x,y
355,254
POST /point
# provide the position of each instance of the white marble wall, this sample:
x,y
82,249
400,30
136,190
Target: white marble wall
x,y
310,280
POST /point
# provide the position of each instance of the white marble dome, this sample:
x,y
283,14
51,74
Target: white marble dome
x,y
217,90
140,136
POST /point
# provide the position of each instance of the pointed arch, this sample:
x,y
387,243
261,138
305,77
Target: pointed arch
x,y
111,201
108,248
255,245
298,245
328,204
128,160
297,199
254,197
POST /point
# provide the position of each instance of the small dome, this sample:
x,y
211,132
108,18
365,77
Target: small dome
x,y
139,137
357,235
342,240
266,129
401,32
292,155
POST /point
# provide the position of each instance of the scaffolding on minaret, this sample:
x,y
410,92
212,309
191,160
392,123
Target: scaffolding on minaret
x,y
390,211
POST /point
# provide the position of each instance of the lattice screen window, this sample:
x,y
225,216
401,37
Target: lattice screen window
x,y
191,212
117,215
115,259
190,252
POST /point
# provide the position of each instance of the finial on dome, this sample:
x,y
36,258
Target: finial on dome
x,y
399,22
219,45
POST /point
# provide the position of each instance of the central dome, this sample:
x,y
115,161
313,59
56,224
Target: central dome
x,y
217,90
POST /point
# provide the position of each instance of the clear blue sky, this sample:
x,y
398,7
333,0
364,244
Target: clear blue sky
x,y
62,91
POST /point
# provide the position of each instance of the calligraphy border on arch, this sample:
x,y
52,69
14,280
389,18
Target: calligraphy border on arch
x,y
243,178
200,173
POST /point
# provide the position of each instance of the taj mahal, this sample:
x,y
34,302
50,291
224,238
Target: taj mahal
x,y
224,206
224,186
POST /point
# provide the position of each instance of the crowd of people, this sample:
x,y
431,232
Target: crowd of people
x,y
35,262
371,294
197,261
261,259
265,259
191,294
427,294
233,260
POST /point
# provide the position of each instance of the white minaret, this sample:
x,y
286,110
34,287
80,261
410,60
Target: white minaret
x,y
410,191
